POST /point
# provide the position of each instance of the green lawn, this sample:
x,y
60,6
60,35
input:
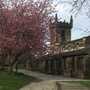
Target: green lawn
x,y
84,82
14,81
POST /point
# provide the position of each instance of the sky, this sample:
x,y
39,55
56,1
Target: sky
x,y
81,23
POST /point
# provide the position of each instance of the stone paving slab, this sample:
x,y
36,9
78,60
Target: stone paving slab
x,y
45,85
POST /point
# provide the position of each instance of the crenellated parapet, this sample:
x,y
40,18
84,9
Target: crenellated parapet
x,y
60,32
62,24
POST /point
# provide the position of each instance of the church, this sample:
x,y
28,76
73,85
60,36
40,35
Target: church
x,y
60,32
65,57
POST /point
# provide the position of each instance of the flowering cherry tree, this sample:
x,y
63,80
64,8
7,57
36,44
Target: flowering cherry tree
x,y
23,25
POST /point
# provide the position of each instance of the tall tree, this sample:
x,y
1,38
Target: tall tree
x,y
78,5
23,26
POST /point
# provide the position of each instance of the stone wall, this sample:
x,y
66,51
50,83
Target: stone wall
x,y
73,61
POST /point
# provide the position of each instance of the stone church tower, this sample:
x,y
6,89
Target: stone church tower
x,y
60,32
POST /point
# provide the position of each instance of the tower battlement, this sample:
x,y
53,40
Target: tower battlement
x,y
60,32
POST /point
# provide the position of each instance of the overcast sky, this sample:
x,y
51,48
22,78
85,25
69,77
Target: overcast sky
x,y
81,21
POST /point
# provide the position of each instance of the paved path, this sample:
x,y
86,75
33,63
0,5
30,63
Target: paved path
x,y
54,85
50,82
44,77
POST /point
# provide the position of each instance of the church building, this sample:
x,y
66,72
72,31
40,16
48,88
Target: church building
x,y
66,57
60,32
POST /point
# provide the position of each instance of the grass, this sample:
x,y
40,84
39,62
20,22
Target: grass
x,y
14,81
85,83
